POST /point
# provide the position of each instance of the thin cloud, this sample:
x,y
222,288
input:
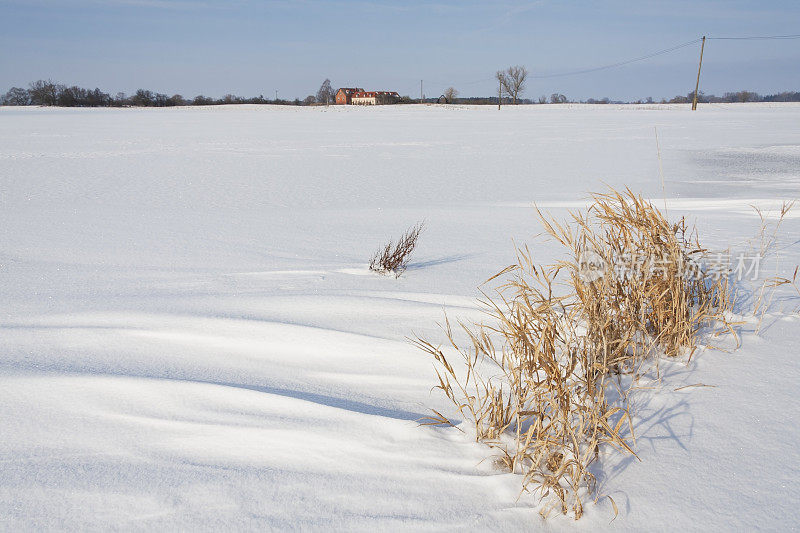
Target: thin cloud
x,y
155,4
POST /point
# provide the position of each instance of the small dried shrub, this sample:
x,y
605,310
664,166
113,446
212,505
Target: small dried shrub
x,y
393,257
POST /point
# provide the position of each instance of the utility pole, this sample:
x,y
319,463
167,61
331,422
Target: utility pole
x,y
697,86
276,96
499,93
421,96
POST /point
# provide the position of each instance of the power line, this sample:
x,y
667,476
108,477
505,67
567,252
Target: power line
x,y
620,63
641,58
756,38
604,67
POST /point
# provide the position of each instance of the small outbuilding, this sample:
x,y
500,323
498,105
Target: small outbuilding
x,y
375,98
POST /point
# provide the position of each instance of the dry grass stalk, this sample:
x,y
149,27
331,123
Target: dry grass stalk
x,y
393,257
779,281
792,282
767,241
538,383
768,238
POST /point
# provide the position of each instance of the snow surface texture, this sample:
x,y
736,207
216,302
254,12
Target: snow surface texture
x,y
191,339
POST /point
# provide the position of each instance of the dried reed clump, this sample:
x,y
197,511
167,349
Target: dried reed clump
x,y
393,257
537,384
653,291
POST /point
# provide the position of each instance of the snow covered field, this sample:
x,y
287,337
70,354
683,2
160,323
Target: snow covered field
x,y
190,340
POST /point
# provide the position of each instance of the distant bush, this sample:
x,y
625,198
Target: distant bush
x,y
393,257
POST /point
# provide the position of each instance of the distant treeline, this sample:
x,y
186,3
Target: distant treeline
x,y
49,93
729,97
740,96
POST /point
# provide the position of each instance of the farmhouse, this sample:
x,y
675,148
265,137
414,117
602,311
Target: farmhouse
x,y
344,96
356,96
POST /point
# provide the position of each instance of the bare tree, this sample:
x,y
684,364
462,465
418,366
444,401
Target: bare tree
x,y
143,98
176,100
450,95
746,96
512,80
44,92
16,96
325,94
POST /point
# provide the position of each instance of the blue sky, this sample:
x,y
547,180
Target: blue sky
x,y
251,47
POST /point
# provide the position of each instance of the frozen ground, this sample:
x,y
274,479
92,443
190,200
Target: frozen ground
x,y
189,338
